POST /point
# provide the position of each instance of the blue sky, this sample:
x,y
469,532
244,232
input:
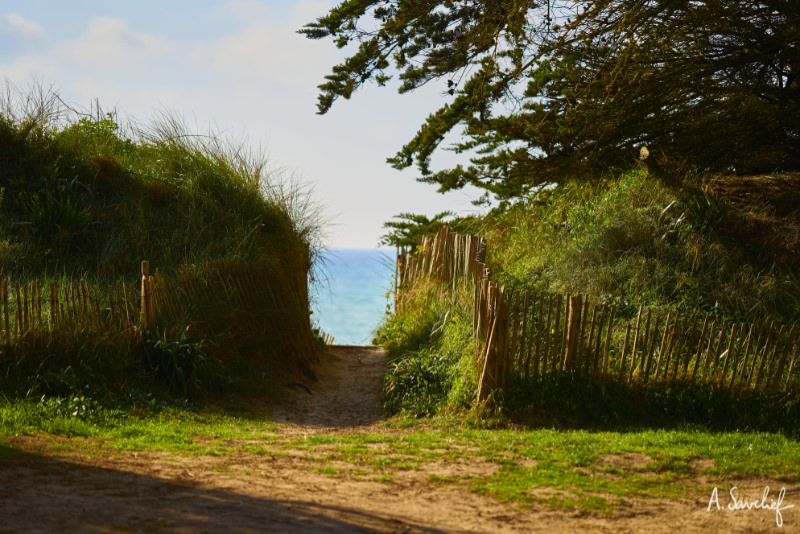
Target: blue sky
x,y
238,67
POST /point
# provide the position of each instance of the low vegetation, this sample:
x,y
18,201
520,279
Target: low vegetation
x,y
632,240
628,241
573,470
431,352
85,197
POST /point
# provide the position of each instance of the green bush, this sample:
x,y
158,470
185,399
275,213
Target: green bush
x,y
432,353
182,365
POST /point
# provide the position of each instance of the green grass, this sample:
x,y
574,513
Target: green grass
x,y
431,352
85,197
632,241
574,470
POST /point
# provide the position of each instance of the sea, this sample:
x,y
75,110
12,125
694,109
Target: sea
x,y
351,293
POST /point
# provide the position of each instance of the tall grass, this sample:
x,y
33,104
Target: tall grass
x,y
432,356
631,241
85,195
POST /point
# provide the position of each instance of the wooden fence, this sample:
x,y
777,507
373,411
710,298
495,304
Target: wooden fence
x,y
528,334
210,297
66,309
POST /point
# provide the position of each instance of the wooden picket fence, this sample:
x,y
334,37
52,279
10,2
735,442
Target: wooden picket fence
x,y
67,309
529,334
200,295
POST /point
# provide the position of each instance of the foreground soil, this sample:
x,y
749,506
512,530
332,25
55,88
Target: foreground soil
x,y
47,489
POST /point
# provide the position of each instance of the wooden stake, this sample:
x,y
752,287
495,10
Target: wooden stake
x,y
555,353
25,323
145,314
608,340
574,321
635,344
728,355
714,362
562,348
126,304
774,380
37,304
546,356
54,306
741,369
18,311
663,351
531,338
709,352
791,367
539,333
514,332
588,359
699,350
689,346
597,354
622,375
5,306
524,361
579,356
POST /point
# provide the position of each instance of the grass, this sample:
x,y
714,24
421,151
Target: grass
x,y
628,241
83,196
632,241
578,470
431,352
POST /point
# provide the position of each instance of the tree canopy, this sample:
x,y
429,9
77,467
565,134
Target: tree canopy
x,y
546,90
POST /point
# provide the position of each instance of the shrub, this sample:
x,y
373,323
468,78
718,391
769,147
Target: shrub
x,y
432,353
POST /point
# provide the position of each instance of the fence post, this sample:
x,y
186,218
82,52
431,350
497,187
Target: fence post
x,y
488,376
145,315
573,326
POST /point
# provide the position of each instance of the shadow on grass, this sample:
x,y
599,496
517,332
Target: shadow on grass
x,y
571,400
42,494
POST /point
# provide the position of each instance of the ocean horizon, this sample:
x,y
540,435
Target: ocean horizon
x,y
349,294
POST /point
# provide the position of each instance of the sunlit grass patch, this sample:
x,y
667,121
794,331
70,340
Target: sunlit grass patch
x,y
579,471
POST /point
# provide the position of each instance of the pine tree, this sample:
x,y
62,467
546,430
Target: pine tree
x,y
548,91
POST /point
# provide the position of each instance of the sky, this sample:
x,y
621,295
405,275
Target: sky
x,y
237,67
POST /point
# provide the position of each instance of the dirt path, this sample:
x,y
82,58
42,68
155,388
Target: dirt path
x,y
346,396
246,491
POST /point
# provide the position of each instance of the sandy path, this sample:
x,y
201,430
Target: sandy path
x,y
243,492
347,394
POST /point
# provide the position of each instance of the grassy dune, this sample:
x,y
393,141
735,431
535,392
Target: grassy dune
x,y
84,197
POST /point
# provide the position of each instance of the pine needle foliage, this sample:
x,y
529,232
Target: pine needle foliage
x,y
544,90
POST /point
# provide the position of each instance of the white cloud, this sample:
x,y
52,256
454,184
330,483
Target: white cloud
x,y
268,48
110,40
27,70
23,27
19,35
